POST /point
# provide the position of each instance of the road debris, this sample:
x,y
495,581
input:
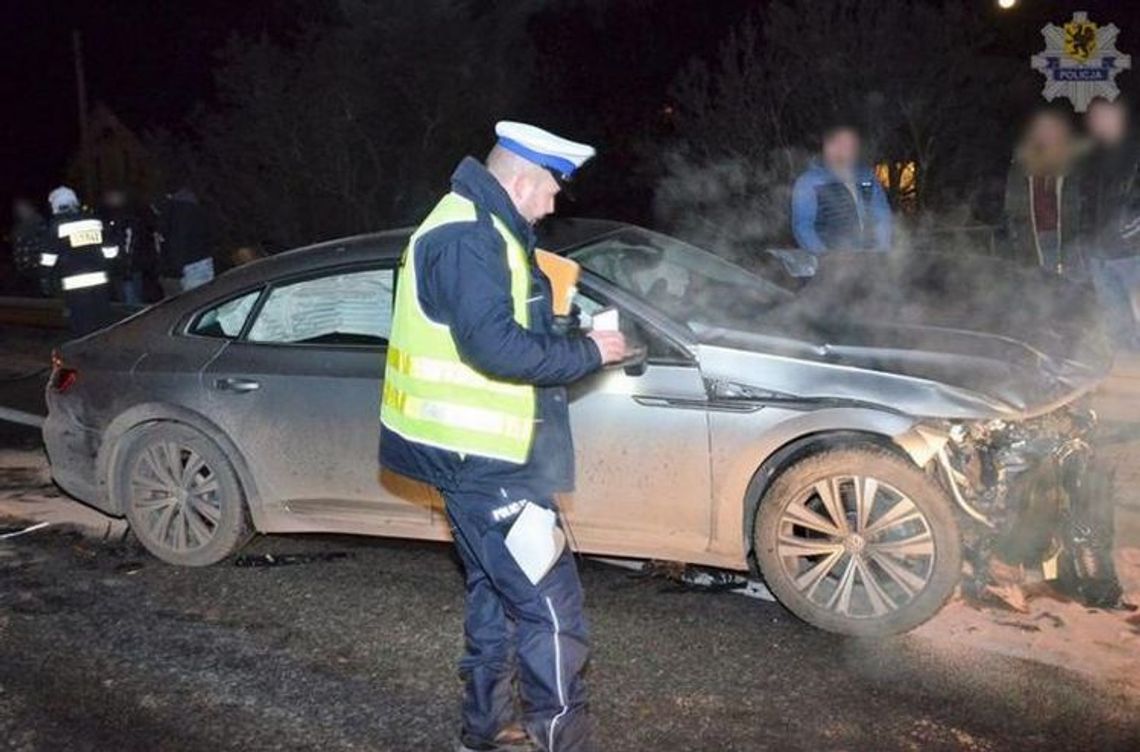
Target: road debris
x,y
1011,596
282,560
1055,628
688,577
1018,625
129,567
1055,621
22,531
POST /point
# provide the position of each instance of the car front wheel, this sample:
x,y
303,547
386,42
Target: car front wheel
x,y
180,495
858,541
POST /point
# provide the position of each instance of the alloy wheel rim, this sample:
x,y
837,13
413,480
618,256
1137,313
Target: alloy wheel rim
x,y
175,494
856,546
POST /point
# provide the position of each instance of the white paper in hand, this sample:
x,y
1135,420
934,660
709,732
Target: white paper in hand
x,y
606,320
535,542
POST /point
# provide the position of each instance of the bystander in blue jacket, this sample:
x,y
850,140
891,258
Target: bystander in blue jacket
x,y
837,204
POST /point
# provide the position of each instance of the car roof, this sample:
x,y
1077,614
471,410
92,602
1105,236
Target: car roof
x,y
356,248
554,235
558,234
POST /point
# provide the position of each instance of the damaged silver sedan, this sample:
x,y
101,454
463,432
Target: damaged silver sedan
x,y
848,435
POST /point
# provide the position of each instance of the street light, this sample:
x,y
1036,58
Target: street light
x,y
1006,4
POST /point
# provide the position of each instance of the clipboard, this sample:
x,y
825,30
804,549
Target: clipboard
x,y
563,274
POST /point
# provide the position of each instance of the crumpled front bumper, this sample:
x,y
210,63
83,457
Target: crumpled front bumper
x,y
1044,503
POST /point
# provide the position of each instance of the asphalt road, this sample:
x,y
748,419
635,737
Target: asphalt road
x,y
103,648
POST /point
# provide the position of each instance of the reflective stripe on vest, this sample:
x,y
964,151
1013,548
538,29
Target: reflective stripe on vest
x,y
87,279
430,395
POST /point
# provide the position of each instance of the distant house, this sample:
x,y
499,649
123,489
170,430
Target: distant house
x,y
116,158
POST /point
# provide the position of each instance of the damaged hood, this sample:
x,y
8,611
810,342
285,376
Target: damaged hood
x,y
932,335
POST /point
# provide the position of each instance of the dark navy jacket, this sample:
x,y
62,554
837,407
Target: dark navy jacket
x,y
464,282
827,216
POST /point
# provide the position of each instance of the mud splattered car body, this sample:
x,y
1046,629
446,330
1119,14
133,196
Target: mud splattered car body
x,y
831,433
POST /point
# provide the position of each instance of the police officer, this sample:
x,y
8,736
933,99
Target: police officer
x,y
74,256
474,404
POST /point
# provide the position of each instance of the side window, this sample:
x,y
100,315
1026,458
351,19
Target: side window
x,y
660,349
353,308
225,320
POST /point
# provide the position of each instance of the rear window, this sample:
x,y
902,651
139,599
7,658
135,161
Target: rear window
x,y
347,308
227,319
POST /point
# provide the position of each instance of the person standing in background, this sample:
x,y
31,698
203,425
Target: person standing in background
x,y
185,243
25,239
837,204
73,253
1042,204
246,254
128,242
1111,215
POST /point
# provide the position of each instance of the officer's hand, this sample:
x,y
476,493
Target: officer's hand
x,y
610,344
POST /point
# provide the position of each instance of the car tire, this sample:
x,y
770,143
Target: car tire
x,y
181,495
885,568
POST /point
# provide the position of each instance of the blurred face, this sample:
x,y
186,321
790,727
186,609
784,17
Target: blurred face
x,y
1049,133
1107,123
533,192
23,210
841,150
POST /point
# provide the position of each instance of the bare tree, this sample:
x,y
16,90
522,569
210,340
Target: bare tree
x,y
352,126
918,78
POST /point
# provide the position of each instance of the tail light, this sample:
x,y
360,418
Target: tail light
x,y
62,377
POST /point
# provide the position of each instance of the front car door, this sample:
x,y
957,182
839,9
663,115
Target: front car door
x,y
641,443
645,477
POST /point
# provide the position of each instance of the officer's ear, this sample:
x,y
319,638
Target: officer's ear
x,y
515,186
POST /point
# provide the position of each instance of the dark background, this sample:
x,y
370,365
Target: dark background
x,y
607,72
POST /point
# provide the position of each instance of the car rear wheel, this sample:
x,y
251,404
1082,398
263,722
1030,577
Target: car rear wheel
x,y
181,495
858,541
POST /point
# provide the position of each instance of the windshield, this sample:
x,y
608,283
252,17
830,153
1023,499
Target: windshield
x,y
689,285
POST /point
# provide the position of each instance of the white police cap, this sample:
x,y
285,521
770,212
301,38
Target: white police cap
x,y
559,155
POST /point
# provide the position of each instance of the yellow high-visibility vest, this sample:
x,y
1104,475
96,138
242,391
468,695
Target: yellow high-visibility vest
x,y
430,395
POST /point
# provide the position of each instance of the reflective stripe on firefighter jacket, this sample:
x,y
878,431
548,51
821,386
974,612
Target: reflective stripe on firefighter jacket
x,y
87,279
430,395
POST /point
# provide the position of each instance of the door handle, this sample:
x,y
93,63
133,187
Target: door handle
x,y
237,385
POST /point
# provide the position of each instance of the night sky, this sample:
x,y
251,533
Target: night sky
x,y
151,61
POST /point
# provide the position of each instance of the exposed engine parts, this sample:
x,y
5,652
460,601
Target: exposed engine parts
x,y
1042,502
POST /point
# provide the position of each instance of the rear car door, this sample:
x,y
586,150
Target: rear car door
x,y
299,392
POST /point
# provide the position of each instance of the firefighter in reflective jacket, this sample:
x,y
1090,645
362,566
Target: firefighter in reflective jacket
x,y
75,258
474,404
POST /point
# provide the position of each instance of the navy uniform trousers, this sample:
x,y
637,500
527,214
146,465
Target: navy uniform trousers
x,y
510,622
88,309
